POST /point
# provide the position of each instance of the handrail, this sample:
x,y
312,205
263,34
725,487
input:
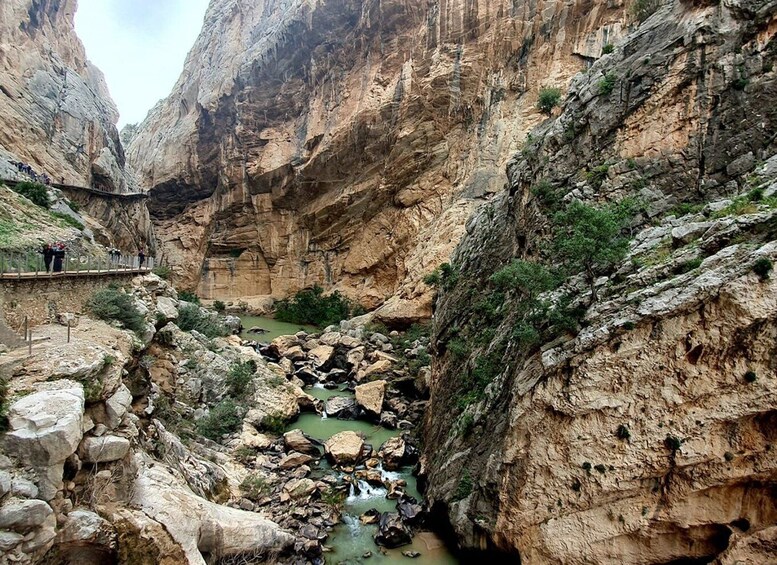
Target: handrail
x,y
91,190
32,264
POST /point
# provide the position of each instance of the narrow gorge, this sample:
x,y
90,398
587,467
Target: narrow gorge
x,y
441,281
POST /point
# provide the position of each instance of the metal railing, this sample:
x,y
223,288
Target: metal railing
x,y
33,264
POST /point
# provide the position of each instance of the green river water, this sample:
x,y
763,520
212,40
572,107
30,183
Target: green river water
x,y
274,328
350,540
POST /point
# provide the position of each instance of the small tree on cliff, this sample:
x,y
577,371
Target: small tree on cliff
x,y
549,99
590,239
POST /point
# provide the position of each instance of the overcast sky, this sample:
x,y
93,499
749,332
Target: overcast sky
x,y
140,45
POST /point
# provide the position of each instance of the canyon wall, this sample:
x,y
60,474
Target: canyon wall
x,y
636,424
345,143
57,114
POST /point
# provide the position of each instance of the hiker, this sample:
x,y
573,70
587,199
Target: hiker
x,y
48,255
59,254
141,258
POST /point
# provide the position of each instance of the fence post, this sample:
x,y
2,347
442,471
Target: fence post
x,y
68,330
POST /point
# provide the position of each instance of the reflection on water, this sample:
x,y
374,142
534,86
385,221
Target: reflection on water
x,y
274,328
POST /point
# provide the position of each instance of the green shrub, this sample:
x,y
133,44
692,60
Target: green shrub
x,y
597,176
622,432
464,488
274,423
163,272
239,378
607,49
600,468
68,220
740,83
686,208
433,278
587,466
549,98
219,306
112,304
629,326
756,195
334,498
763,267
688,265
446,275
467,424
547,194
311,306
589,239
750,377
607,84
528,277
222,419
188,296
190,317
246,455
73,206
35,192
255,487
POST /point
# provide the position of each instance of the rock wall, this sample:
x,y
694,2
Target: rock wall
x,y
344,143
645,436
55,109
40,300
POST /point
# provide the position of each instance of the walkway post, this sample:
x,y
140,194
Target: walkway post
x,y
68,330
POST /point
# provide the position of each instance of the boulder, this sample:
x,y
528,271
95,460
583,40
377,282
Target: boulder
x,y
68,319
377,368
233,324
370,476
294,459
392,531
295,353
249,437
45,429
166,309
103,449
372,516
409,509
299,488
24,515
342,407
5,483
199,526
344,448
295,440
9,540
322,356
370,397
393,452
82,529
355,356
117,405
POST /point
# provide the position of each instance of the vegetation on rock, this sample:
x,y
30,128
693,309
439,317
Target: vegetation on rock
x,y
549,98
192,317
35,192
112,304
312,306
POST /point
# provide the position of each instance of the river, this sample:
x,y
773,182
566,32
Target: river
x,y
351,540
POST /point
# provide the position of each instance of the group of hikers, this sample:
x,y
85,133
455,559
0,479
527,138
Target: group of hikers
x,y
32,173
53,254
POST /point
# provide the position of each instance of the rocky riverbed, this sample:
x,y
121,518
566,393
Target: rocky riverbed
x,y
168,446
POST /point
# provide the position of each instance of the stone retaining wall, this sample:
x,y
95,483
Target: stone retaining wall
x,y
41,299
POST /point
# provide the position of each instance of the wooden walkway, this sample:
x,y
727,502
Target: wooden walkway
x,y
96,191
71,274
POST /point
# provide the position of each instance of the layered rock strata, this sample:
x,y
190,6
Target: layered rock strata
x,y
344,143
645,436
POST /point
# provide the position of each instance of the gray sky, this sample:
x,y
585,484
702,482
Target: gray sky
x,y
140,45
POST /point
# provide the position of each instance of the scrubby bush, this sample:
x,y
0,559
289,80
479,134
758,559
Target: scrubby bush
x,y
607,49
607,84
35,192
68,220
163,272
672,443
113,304
190,317
750,377
547,194
549,98
464,487
219,306
274,423
240,376
188,296
622,432
311,306
763,267
3,403
222,419
255,487
446,276
597,175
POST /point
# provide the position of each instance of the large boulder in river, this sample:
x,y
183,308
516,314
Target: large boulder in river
x,y
295,440
392,531
322,356
342,407
344,448
370,397
395,452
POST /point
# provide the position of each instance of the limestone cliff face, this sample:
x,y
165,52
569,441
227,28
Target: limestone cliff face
x,y
344,143
646,436
55,110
